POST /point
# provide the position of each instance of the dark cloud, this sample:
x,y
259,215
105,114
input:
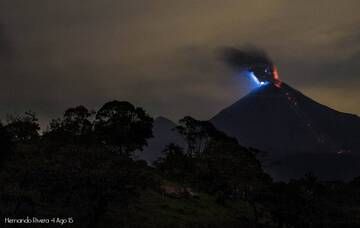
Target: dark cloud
x,y
250,59
245,57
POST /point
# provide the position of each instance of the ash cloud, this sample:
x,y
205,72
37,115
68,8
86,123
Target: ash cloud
x,y
241,59
253,60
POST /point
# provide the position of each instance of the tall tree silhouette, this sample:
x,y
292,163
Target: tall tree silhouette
x,y
123,126
23,128
219,164
197,134
175,164
75,126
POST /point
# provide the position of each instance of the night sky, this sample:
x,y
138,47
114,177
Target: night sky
x,y
163,54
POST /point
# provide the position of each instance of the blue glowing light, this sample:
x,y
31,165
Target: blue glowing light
x,y
256,80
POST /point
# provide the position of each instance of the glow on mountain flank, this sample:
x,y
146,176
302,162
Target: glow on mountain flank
x,y
256,80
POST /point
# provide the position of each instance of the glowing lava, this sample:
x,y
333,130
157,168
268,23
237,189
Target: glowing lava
x,y
275,73
265,75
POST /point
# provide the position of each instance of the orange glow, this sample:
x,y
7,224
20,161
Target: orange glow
x,y
276,77
276,73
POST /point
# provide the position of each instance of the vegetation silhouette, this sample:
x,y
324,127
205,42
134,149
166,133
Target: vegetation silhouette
x,y
82,169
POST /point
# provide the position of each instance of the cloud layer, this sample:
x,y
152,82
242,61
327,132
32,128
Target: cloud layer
x,y
162,54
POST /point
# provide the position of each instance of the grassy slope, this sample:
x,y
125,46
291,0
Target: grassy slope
x,y
158,210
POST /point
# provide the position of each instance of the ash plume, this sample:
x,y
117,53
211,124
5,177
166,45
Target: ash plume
x,y
253,60
245,58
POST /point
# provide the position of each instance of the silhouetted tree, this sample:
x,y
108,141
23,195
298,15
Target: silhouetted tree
x,y
219,165
75,126
76,121
23,128
123,126
197,134
175,164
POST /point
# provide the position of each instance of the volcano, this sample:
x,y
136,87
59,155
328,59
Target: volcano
x,y
298,134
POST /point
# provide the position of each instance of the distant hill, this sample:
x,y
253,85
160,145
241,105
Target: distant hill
x,y
164,134
299,134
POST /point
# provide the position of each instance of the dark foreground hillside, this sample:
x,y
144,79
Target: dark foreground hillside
x,y
81,173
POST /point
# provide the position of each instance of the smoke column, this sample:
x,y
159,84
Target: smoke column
x,y
253,60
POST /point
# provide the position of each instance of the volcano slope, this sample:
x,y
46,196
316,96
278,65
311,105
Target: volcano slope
x,y
298,134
